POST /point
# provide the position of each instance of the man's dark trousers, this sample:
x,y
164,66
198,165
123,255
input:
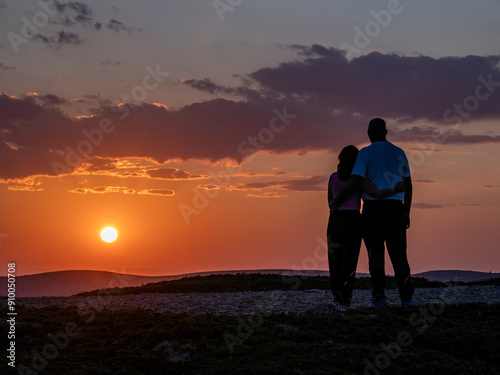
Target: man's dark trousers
x,y
384,222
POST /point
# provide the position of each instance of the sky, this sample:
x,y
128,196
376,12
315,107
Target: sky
x,y
205,131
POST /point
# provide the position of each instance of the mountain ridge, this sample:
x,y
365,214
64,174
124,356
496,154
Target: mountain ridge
x,y
70,282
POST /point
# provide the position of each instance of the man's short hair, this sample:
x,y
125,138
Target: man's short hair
x,y
377,126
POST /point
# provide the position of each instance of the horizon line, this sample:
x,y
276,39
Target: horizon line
x,y
228,271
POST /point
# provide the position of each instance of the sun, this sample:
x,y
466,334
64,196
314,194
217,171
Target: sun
x,y
109,234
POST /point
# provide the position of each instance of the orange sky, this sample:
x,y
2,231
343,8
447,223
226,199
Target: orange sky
x,y
56,229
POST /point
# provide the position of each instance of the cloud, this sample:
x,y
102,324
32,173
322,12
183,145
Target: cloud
x,y
206,131
310,184
118,26
321,102
491,186
315,183
318,50
199,131
426,206
73,12
424,181
428,134
209,187
269,194
6,67
61,38
27,184
111,63
99,165
204,85
207,85
48,99
103,190
31,136
123,167
387,84
455,152
23,188
123,190
174,174
89,98
160,192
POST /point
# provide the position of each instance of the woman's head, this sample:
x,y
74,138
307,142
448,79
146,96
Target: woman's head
x,y
347,159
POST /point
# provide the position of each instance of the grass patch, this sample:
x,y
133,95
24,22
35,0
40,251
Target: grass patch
x,y
451,339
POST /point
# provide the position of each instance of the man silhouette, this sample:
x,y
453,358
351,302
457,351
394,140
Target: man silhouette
x,y
385,220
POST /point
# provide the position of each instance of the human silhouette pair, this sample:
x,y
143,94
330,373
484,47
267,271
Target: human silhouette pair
x,y
379,174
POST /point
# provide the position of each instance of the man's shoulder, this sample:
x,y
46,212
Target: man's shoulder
x,y
394,146
387,146
398,150
375,147
378,149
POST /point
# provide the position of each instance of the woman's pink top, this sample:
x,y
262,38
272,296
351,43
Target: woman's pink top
x,y
353,202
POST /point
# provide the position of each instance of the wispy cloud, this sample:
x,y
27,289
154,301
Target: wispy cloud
x,y
103,190
25,185
73,12
24,188
209,187
111,63
309,184
174,174
124,167
269,194
455,152
424,181
123,190
118,26
159,192
416,134
60,39
426,206
6,67
207,85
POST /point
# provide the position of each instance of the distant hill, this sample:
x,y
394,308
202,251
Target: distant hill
x,y
465,276
67,283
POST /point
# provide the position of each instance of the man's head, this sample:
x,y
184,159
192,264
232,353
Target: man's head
x,y
377,130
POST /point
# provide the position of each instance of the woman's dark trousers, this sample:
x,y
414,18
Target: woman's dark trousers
x,y
344,242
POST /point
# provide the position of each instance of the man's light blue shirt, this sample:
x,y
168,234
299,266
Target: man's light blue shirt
x,y
384,164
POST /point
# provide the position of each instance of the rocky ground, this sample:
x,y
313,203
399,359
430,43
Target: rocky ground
x,y
251,302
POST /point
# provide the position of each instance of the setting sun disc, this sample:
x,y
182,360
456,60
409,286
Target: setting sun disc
x,y
109,234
